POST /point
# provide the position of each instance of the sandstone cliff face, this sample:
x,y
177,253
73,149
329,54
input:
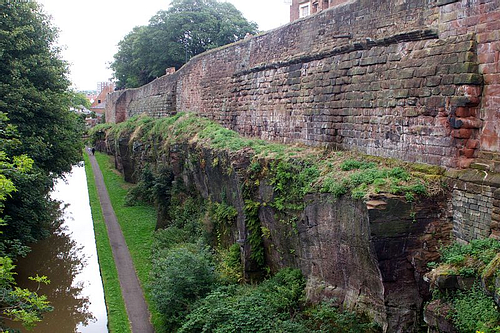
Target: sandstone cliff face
x,y
370,256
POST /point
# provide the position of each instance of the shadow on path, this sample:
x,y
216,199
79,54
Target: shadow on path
x,y
133,295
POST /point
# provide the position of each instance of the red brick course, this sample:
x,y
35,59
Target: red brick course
x,y
414,80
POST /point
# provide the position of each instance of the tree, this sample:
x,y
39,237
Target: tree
x,y
34,95
20,304
15,303
40,140
78,99
187,28
185,275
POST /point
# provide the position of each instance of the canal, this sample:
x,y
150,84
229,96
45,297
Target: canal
x,y
69,259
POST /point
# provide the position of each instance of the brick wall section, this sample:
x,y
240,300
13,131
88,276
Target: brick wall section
x,y
483,19
472,208
495,216
391,78
157,99
475,203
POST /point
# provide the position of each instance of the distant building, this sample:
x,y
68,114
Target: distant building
x,y
99,104
101,86
91,97
303,8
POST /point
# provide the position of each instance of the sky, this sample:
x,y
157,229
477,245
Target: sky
x,y
90,30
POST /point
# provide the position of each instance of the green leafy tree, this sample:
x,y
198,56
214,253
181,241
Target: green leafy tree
x,y
20,304
34,95
187,28
185,275
78,99
33,88
15,303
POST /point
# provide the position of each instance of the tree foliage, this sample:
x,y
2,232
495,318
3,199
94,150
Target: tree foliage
x,y
34,95
187,28
182,277
33,89
15,303
40,140
20,304
78,99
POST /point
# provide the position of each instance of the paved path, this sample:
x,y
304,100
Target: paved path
x,y
133,295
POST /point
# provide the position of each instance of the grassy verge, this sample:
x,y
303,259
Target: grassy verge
x,y
117,314
137,223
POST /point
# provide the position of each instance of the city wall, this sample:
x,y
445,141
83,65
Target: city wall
x,y
417,80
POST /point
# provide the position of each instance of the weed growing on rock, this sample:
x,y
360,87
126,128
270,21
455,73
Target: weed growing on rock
x,y
472,309
299,169
475,311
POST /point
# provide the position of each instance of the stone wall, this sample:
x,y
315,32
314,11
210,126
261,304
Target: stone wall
x,y
475,204
416,80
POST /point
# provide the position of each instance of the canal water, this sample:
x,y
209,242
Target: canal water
x,y
69,259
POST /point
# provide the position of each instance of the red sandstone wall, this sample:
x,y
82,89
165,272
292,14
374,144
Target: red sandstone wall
x,y
483,19
395,78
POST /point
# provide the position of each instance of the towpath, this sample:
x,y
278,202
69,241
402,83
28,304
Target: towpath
x,y
133,295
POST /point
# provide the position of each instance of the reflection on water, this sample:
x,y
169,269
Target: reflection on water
x,y
68,258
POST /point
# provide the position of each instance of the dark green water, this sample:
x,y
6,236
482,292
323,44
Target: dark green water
x,y
69,259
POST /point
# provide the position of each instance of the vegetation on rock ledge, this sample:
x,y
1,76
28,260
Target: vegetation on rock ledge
x,y
476,269
197,282
293,170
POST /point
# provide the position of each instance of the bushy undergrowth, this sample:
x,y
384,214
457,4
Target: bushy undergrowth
x,y
474,309
470,259
184,275
276,305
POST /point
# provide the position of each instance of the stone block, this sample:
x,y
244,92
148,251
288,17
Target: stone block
x,y
468,78
426,71
433,81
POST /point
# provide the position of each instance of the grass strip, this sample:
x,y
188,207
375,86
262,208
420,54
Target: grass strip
x,y
117,314
138,224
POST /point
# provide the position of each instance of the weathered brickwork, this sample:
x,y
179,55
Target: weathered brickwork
x,y
416,80
475,204
495,216
472,208
483,19
157,100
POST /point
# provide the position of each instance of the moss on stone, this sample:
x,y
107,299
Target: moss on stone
x,y
300,169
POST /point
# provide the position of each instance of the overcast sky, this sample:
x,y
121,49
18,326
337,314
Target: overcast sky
x,y
91,29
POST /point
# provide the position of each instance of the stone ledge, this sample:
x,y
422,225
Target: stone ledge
x,y
415,35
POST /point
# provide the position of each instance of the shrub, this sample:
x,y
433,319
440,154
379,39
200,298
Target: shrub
x,y
475,311
222,216
481,249
328,318
348,165
334,186
266,308
229,264
291,182
274,306
185,275
166,239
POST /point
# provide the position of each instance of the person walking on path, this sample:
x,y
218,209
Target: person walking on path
x,y
133,295
93,151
